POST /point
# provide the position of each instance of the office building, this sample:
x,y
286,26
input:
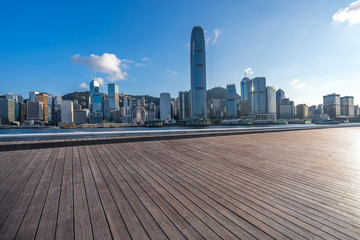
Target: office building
x,y
286,109
50,108
302,111
107,115
113,96
244,85
184,105
35,111
67,111
231,101
270,100
216,108
81,116
280,95
198,74
95,102
332,105
165,108
22,112
16,97
7,110
32,96
43,97
347,106
257,95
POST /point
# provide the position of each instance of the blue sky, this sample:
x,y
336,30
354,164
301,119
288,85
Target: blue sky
x,y
297,45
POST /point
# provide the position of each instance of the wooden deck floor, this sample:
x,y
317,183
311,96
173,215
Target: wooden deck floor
x,y
296,185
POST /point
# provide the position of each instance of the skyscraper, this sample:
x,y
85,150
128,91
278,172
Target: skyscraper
x,y
67,111
32,95
230,97
95,102
198,74
184,105
113,95
347,106
165,107
270,100
332,105
257,95
244,88
43,97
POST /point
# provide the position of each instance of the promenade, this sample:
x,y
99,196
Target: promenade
x,y
298,184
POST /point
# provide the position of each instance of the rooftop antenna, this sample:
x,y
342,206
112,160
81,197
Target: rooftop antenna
x,y
245,74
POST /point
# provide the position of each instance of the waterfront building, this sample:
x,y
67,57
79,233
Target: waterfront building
x,y
165,108
216,109
198,74
81,116
244,108
231,101
35,111
244,85
16,97
43,97
332,105
347,106
302,111
356,111
106,110
7,110
67,111
32,96
50,101
286,109
113,96
270,100
22,112
280,95
184,105
257,95
95,102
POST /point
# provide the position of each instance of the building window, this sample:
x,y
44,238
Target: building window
x,y
199,50
200,88
199,65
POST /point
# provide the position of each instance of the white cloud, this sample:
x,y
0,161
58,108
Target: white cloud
x,y
108,64
300,85
145,59
350,13
249,71
83,85
100,81
295,81
172,72
217,33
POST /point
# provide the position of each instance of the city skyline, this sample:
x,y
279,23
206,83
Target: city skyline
x,y
147,67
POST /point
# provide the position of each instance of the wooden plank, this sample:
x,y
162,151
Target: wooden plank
x,y
82,223
148,222
32,216
13,220
131,220
114,218
99,224
65,220
47,224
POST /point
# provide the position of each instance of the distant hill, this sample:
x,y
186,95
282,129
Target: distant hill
x,y
80,96
217,93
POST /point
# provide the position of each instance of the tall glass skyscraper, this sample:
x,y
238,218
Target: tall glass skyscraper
x,y
198,74
244,88
231,103
95,102
257,95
